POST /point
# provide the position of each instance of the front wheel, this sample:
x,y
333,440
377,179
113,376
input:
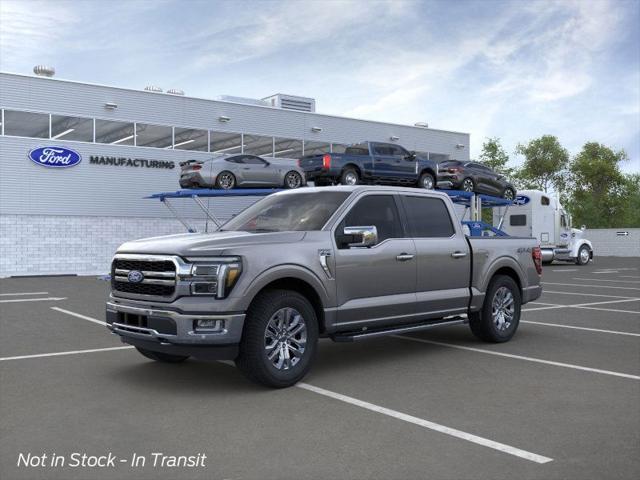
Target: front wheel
x,y
279,339
427,181
584,255
162,357
500,315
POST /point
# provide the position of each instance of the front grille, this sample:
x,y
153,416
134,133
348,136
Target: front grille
x,y
159,277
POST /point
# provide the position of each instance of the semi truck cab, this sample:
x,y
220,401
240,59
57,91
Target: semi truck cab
x,y
537,214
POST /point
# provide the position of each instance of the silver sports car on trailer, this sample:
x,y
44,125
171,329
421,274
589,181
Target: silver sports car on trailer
x,y
231,171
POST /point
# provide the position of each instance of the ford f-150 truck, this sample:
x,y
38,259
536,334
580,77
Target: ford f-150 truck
x,y
346,263
371,162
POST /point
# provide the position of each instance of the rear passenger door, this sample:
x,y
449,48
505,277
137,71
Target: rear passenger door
x,y
443,257
383,161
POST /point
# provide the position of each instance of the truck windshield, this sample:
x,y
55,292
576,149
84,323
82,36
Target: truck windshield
x,y
283,213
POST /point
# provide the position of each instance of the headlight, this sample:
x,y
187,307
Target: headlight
x,y
214,276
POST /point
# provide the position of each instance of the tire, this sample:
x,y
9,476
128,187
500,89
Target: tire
x,y
225,180
292,180
509,194
584,255
468,185
349,177
162,357
427,181
490,328
262,326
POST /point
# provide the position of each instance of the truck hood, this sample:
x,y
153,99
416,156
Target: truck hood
x,y
203,244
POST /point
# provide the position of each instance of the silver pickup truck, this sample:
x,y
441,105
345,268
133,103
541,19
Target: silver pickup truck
x,y
345,263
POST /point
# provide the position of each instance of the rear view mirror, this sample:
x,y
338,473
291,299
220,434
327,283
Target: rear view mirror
x,y
359,236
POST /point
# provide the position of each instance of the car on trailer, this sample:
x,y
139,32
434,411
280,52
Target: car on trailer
x,y
475,177
238,171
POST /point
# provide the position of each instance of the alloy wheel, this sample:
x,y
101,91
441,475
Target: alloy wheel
x,y
293,180
351,178
285,338
467,185
503,309
427,182
226,181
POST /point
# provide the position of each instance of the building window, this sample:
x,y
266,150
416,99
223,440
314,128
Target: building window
x,y
316,148
26,124
71,128
258,145
115,133
226,143
191,139
287,148
156,136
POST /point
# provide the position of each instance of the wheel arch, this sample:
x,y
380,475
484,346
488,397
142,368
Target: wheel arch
x,y
354,166
430,171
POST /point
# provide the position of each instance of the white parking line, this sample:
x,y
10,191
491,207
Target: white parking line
x,y
589,294
74,314
58,354
552,307
567,270
521,357
22,293
427,424
629,276
595,286
47,299
611,310
603,280
598,330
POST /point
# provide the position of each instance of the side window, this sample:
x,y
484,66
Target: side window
x,y
377,210
518,220
238,159
398,151
253,160
428,217
382,150
563,221
544,200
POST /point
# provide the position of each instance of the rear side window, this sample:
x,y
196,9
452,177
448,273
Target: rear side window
x,y
356,149
428,217
238,159
377,210
518,220
544,200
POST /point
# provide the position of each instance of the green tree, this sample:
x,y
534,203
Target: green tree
x,y
494,156
544,165
600,195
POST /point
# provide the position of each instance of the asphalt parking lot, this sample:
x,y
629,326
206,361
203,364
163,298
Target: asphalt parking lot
x,y
561,400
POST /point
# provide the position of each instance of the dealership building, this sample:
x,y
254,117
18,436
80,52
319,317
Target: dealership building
x,y
127,144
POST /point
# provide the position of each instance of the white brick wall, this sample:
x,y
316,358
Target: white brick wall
x,y
607,242
47,245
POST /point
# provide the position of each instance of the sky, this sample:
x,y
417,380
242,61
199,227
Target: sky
x,y
510,69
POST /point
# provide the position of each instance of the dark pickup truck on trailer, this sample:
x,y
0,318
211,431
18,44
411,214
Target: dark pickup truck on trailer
x,y
341,262
371,162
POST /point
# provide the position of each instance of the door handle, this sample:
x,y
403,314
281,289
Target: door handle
x,y
459,254
404,257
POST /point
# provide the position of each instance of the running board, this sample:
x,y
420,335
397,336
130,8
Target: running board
x,y
364,334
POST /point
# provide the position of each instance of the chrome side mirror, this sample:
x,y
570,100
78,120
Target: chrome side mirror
x,y
360,236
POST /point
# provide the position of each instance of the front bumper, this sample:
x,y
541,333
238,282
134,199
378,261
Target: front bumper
x,y
170,331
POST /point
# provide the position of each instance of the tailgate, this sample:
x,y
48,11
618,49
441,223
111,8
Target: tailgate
x,y
312,163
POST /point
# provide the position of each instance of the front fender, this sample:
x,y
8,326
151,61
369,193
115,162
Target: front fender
x,y
576,247
279,272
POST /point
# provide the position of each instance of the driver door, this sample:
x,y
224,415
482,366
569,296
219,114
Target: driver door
x,y
376,285
257,171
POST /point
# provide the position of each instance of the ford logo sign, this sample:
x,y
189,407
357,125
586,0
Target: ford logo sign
x,y
521,200
55,157
135,276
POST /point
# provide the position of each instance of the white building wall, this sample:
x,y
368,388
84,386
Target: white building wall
x,y
607,242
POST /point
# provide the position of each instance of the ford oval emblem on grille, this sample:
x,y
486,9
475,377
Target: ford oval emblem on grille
x,y
135,276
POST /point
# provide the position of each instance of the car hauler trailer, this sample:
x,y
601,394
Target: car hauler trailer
x,y
539,215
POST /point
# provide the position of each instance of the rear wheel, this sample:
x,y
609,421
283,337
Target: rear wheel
x,y
162,357
500,315
467,185
293,180
427,181
584,255
349,177
279,339
225,180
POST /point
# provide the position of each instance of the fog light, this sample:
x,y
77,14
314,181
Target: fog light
x,y
209,325
204,288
